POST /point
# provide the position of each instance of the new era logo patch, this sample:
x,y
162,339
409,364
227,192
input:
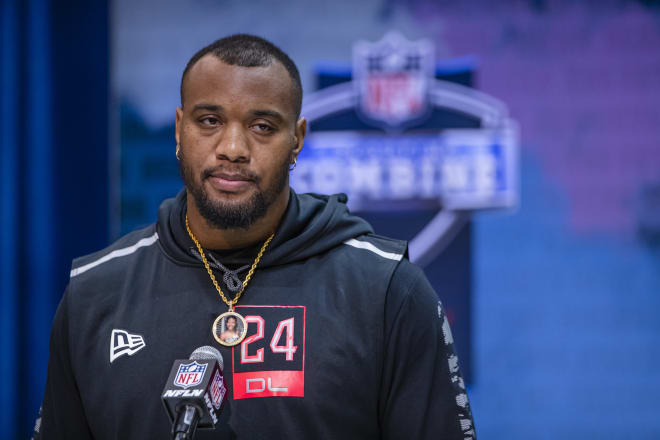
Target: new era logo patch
x,y
123,342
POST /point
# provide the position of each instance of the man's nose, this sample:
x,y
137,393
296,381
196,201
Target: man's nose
x,y
233,145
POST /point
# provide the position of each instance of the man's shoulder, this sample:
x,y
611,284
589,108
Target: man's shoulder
x,y
377,248
371,257
375,252
116,255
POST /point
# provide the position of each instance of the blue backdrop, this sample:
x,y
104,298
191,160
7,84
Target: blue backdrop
x,y
54,174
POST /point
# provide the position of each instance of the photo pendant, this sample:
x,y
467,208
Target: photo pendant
x,y
229,329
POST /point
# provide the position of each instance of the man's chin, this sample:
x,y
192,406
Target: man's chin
x,y
231,211
232,203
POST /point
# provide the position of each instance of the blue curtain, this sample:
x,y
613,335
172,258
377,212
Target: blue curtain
x,y
54,179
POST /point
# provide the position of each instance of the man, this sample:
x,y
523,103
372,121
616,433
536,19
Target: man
x,y
344,337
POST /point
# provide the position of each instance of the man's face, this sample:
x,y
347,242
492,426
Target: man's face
x,y
238,134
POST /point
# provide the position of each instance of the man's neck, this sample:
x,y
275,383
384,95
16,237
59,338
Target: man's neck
x,y
236,238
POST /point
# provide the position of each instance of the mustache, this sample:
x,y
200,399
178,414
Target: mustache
x,y
242,173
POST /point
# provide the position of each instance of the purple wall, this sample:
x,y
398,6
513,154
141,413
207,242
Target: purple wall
x,y
584,83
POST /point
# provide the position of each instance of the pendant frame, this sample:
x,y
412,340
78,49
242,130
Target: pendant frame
x,y
217,326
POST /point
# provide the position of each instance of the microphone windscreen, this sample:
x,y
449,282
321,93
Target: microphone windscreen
x,y
208,352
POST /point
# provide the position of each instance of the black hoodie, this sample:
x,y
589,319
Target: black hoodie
x,y
346,338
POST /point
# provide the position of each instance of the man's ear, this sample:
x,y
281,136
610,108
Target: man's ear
x,y
177,128
301,131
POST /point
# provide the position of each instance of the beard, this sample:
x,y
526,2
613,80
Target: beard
x,y
232,215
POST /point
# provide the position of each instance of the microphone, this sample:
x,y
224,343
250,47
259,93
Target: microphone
x,y
195,392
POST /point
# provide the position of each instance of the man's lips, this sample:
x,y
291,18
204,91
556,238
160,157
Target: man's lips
x,y
231,182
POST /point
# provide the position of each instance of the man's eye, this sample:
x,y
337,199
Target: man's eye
x,y
209,121
263,128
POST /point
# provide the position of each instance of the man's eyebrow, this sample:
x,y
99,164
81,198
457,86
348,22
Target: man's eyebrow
x,y
271,113
208,107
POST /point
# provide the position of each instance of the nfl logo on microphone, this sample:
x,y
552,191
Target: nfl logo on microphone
x,y
218,390
189,375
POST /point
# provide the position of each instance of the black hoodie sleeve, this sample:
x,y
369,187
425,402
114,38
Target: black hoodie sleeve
x,y
422,392
62,414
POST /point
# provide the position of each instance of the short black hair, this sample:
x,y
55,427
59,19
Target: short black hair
x,y
247,50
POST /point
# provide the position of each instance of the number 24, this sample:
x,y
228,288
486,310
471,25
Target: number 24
x,y
288,348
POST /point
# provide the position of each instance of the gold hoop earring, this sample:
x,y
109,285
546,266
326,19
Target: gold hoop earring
x,y
178,149
295,160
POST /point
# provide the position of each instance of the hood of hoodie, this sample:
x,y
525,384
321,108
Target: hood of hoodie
x,y
311,225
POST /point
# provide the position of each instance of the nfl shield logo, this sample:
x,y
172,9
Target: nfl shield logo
x,y
393,78
189,375
218,390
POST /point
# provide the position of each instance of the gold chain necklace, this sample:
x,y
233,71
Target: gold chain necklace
x,y
223,330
